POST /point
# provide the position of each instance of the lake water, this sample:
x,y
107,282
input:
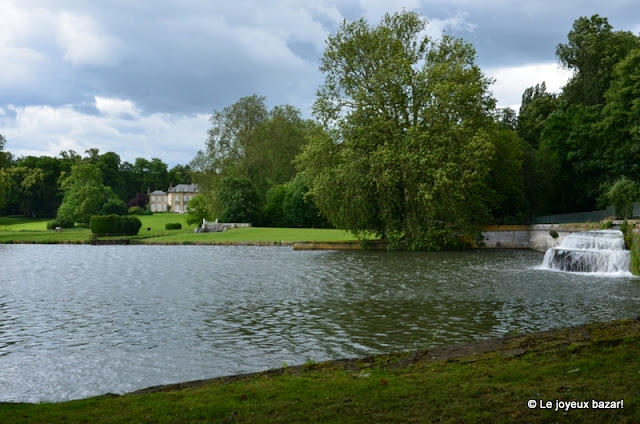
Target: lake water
x,y
78,321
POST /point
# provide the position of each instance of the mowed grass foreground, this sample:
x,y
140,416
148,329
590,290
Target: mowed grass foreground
x,y
496,381
26,230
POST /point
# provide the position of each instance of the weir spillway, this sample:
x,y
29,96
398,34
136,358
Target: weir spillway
x,y
601,251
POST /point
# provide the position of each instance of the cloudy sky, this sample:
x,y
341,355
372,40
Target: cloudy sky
x,y
141,78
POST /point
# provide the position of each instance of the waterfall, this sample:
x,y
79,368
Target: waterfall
x,y
600,251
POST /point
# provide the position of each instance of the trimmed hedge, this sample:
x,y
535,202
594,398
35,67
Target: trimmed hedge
x,y
173,226
115,225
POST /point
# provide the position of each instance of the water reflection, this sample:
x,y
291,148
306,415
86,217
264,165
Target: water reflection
x,y
84,320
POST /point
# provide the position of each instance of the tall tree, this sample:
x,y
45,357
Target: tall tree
x,y
47,199
86,195
233,135
5,157
592,50
406,146
621,120
574,143
537,104
247,141
22,187
180,174
109,165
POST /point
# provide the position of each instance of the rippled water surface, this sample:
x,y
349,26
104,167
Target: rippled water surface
x,y
78,321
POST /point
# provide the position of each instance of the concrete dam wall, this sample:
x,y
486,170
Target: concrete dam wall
x,y
535,237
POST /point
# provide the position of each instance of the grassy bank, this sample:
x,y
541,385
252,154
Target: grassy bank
x,y
24,230
487,381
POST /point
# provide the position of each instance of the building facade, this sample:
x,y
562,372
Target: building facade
x,y
179,196
158,201
175,200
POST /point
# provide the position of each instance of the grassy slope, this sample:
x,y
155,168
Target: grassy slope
x,y
14,229
473,384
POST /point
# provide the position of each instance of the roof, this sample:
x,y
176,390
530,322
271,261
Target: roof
x,y
190,188
158,192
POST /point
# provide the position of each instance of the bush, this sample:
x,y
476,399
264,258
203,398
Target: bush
x,y
115,225
622,194
113,206
553,234
135,210
605,225
139,200
60,222
130,225
173,226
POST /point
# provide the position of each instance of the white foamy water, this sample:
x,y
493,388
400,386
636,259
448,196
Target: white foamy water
x,y
601,252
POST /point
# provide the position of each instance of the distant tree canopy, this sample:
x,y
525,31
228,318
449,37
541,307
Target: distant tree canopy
x,y
409,136
30,185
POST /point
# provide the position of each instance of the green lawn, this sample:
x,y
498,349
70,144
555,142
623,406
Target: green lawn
x,y
26,230
473,384
20,223
255,234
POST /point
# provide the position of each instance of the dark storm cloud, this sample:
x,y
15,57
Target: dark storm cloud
x,y
509,33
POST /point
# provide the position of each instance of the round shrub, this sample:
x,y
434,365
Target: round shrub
x,y
173,226
130,225
135,210
60,222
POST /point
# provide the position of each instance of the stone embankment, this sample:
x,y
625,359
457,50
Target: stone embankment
x,y
540,237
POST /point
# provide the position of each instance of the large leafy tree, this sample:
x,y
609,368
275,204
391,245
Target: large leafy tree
x,y
21,189
86,195
47,197
109,164
586,137
537,104
592,51
239,201
621,120
5,157
249,142
405,149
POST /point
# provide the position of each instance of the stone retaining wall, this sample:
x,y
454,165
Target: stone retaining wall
x,y
535,237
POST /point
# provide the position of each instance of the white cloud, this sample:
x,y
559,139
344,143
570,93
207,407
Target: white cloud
x,y
20,58
457,22
83,41
45,130
116,107
512,81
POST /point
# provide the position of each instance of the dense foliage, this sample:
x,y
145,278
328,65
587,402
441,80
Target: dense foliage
x,y
249,151
586,139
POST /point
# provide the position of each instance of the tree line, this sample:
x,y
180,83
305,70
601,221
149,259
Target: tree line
x,y
406,143
37,185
